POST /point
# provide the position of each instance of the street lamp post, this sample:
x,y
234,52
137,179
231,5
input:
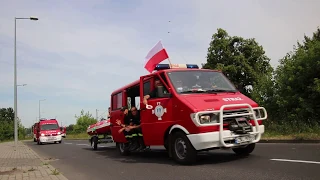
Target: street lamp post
x,y
15,79
17,105
39,107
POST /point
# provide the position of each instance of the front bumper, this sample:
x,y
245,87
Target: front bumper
x,y
212,139
45,139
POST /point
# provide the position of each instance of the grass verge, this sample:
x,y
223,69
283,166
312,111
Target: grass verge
x,y
269,135
10,140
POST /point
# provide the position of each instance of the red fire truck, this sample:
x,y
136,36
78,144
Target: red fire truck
x,y
63,131
194,110
47,131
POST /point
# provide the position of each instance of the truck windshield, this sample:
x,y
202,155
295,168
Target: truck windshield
x,y
49,126
185,82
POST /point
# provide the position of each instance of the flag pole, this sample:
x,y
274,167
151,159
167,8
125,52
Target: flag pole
x,y
166,52
170,62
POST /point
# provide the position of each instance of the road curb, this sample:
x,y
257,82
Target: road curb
x,y
60,176
288,141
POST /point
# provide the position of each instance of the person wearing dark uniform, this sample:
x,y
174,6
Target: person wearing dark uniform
x,y
136,131
127,123
154,92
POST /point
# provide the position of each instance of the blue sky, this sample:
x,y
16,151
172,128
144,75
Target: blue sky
x,y
80,51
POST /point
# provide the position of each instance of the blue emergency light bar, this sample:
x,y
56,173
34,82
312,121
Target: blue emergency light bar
x,y
175,66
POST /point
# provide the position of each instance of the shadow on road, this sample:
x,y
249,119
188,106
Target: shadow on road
x,y
161,156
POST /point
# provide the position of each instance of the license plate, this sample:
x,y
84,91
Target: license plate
x,y
243,139
51,138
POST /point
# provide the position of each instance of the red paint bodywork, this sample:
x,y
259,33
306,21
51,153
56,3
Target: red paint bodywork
x,y
179,107
38,131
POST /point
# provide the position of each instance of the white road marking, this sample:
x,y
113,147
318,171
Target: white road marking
x,y
82,144
67,143
299,161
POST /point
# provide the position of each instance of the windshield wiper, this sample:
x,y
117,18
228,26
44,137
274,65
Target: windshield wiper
x,y
221,90
193,91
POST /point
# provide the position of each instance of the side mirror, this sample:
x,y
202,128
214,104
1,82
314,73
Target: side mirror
x,y
161,94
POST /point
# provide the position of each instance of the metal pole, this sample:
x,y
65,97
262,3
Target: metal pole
x,y
39,110
39,107
15,85
97,114
15,80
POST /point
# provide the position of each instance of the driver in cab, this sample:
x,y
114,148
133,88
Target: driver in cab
x,y
154,92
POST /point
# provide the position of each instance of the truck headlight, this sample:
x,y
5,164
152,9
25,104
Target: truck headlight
x,y
59,133
210,118
42,134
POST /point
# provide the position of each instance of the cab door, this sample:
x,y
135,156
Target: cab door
x,y
156,120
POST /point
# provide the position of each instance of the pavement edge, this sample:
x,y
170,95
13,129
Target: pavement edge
x,y
51,168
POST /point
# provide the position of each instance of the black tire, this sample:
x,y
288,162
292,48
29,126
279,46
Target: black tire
x,y
245,150
60,142
180,142
165,144
122,150
34,140
94,142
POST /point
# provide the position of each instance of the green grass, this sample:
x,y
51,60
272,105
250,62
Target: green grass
x,y
20,139
290,131
295,136
55,172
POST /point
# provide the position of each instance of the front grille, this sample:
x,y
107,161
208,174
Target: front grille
x,y
231,120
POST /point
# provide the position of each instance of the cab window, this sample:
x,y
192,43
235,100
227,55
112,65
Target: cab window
x,y
117,101
146,87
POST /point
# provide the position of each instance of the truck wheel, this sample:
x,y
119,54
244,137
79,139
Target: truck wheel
x,y
94,142
182,150
60,142
244,151
34,140
122,149
165,144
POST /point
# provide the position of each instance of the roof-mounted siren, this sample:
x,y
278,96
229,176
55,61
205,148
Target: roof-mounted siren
x,y
42,119
175,66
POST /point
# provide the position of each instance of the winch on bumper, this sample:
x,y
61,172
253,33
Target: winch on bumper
x,y
240,131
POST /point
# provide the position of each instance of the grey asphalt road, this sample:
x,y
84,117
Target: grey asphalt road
x,y
77,161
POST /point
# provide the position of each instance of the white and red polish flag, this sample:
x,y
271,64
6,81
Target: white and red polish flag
x,y
156,55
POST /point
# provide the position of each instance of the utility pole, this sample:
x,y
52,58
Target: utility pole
x,y
97,114
39,107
